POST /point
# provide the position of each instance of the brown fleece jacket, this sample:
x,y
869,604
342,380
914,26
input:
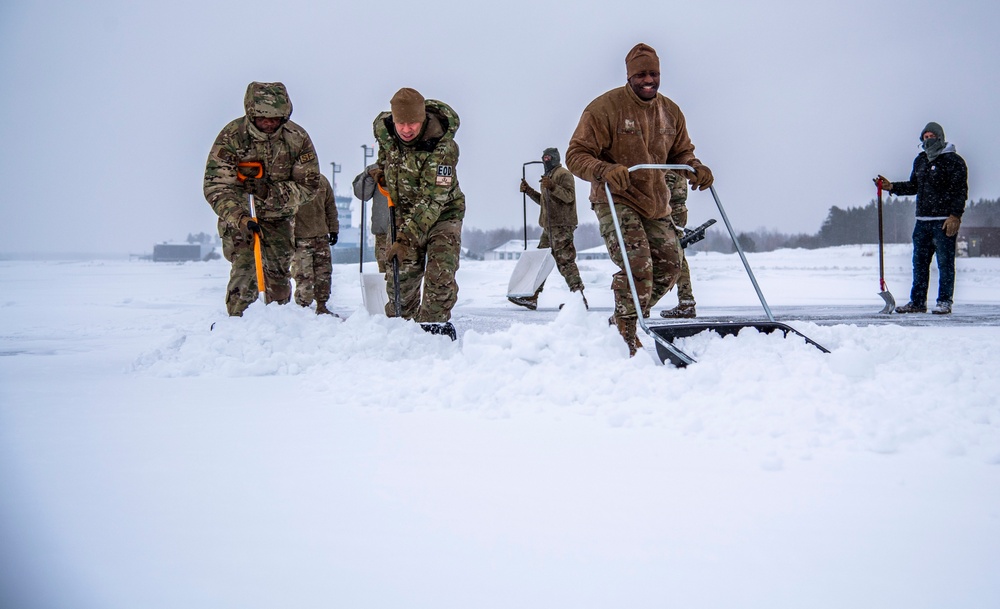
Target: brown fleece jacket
x,y
619,128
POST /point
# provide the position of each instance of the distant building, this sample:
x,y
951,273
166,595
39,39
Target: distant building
x,y
510,250
595,253
980,240
182,252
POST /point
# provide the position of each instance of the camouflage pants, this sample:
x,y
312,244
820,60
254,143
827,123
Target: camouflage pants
x,y
679,214
276,254
311,269
560,239
654,255
381,242
435,264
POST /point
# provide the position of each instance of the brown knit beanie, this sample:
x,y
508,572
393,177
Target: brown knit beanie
x,y
407,106
641,58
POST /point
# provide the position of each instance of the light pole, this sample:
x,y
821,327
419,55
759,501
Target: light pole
x,y
369,153
336,170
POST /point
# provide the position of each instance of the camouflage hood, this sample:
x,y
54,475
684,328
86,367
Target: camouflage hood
x,y
449,118
268,100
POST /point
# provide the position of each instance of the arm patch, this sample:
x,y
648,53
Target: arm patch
x,y
445,173
309,156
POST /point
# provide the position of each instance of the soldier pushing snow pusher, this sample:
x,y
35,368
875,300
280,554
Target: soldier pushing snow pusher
x,y
664,334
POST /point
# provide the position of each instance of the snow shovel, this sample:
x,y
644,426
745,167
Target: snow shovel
x,y
663,335
890,302
395,260
258,174
373,294
532,267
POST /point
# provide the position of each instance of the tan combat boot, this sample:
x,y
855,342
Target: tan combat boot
x,y
626,327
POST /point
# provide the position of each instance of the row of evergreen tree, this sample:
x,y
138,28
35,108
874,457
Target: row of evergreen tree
x,y
849,226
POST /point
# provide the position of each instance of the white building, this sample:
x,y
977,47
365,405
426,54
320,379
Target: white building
x,y
513,248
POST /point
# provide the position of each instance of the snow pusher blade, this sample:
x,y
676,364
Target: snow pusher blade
x,y
663,335
723,328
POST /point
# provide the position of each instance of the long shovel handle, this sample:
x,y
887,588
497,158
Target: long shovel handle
x,y
524,199
881,258
257,257
392,240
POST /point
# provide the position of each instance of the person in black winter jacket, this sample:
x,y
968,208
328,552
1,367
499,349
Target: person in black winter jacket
x,y
940,180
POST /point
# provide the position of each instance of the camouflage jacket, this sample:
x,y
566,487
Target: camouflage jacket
x,y
318,217
287,155
558,205
420,175
618,128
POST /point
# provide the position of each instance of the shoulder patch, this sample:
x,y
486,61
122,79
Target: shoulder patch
x,y
309,156
445,173
227,155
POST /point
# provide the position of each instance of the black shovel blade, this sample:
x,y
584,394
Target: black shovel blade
x,y
669,332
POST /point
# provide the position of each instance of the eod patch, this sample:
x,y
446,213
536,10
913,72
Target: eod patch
x,y
445,175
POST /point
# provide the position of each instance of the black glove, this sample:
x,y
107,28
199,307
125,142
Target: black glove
x,y
333,238
257,187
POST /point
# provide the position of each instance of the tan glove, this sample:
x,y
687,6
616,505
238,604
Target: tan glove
x,y
377,175
951,225
397,249
886,184
524,186
248,226
617,178
547,183
702,178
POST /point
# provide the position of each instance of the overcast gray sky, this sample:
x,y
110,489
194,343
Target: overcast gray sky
x,y
109,108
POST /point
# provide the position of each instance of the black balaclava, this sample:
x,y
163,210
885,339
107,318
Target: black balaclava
x,y
934,145
553,161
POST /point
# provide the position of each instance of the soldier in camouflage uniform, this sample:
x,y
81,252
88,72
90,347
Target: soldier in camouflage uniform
x,y
416,162
679,214
558,220
316,229
626,126
290,177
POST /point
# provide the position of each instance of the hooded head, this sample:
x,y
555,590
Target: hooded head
x,y
933,146
407,106
642,58
933,128
553,161
267,100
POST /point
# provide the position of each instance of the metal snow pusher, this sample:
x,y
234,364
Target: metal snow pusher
x,y
663,334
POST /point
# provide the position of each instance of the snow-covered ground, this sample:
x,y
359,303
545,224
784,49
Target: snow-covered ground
x,y
289,460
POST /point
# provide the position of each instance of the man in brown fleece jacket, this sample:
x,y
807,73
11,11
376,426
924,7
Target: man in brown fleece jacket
x,y
633,125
